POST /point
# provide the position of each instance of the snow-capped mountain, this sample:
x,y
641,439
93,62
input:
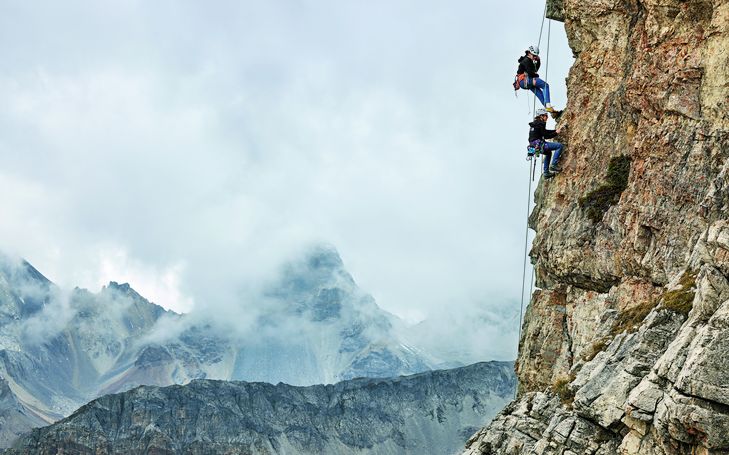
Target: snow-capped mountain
x,y
58,349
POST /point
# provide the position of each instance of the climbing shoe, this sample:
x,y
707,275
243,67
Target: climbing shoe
x,y
556,114
554,169
548,175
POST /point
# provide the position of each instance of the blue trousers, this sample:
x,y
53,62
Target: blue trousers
x,y
538,87
550,147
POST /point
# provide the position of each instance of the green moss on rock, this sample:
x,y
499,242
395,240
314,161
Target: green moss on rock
x,y
555,10
678,300
597,202
630,319
681,300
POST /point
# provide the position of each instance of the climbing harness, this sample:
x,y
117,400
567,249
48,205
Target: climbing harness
x,y
518,81
535,149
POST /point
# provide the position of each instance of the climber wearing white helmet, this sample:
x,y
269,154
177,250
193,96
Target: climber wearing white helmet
x,y
538,135
528,79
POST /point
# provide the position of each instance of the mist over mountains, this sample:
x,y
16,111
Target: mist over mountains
x,y
313,325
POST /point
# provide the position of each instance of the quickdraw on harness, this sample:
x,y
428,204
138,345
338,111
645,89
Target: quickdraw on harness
x,y
535,149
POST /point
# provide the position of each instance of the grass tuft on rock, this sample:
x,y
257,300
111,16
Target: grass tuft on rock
x,y
630,319
598,201
562,388
596,348
681,300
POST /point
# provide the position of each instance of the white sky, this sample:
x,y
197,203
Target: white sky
x,y
189,147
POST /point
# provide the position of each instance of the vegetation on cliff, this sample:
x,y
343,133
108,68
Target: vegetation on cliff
x,y
598,201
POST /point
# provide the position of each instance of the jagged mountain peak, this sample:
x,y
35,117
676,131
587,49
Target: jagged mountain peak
x,y
123,287
115,290
323,256
320,266
15,268
24,291
318,286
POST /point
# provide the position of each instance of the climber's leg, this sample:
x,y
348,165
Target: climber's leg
x,y
544,87
528,84
539,94
547,157
555,147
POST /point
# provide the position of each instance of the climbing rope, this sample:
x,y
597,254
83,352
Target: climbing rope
x,y
532,173
546,68
546,76
539,43
526,245
546,61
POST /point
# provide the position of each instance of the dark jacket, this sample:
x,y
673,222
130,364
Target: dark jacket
x,y
538,131
527,65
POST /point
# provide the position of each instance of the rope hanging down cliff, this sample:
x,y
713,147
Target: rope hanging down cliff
x,y
529,192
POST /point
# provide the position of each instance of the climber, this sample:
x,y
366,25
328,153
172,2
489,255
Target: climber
x,y
528,79
538,134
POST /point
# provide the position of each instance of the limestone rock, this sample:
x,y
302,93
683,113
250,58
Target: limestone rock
x,y
627,336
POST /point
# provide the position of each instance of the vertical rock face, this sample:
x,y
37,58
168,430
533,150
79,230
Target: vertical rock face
x,y
624,347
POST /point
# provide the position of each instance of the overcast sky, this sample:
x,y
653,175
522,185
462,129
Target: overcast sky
x,y
189,147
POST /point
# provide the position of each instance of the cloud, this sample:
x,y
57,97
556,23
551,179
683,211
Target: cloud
x,y
161,285
50,319
192,148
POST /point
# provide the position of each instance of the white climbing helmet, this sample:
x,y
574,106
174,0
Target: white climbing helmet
x,y
534,50
540,112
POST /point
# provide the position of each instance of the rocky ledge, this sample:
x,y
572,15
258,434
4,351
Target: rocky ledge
x,y
624,346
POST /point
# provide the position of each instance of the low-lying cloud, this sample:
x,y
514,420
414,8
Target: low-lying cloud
x,y
192,150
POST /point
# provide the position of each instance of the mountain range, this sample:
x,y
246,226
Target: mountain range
x,y
432,412
59,349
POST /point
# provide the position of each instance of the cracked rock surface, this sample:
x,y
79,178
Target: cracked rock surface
x,y
625,346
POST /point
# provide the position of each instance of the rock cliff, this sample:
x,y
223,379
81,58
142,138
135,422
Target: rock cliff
x,y
624,345
424,413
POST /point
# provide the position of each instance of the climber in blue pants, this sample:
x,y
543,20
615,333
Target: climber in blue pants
x,y
538,135
551,159
527,78
539,88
